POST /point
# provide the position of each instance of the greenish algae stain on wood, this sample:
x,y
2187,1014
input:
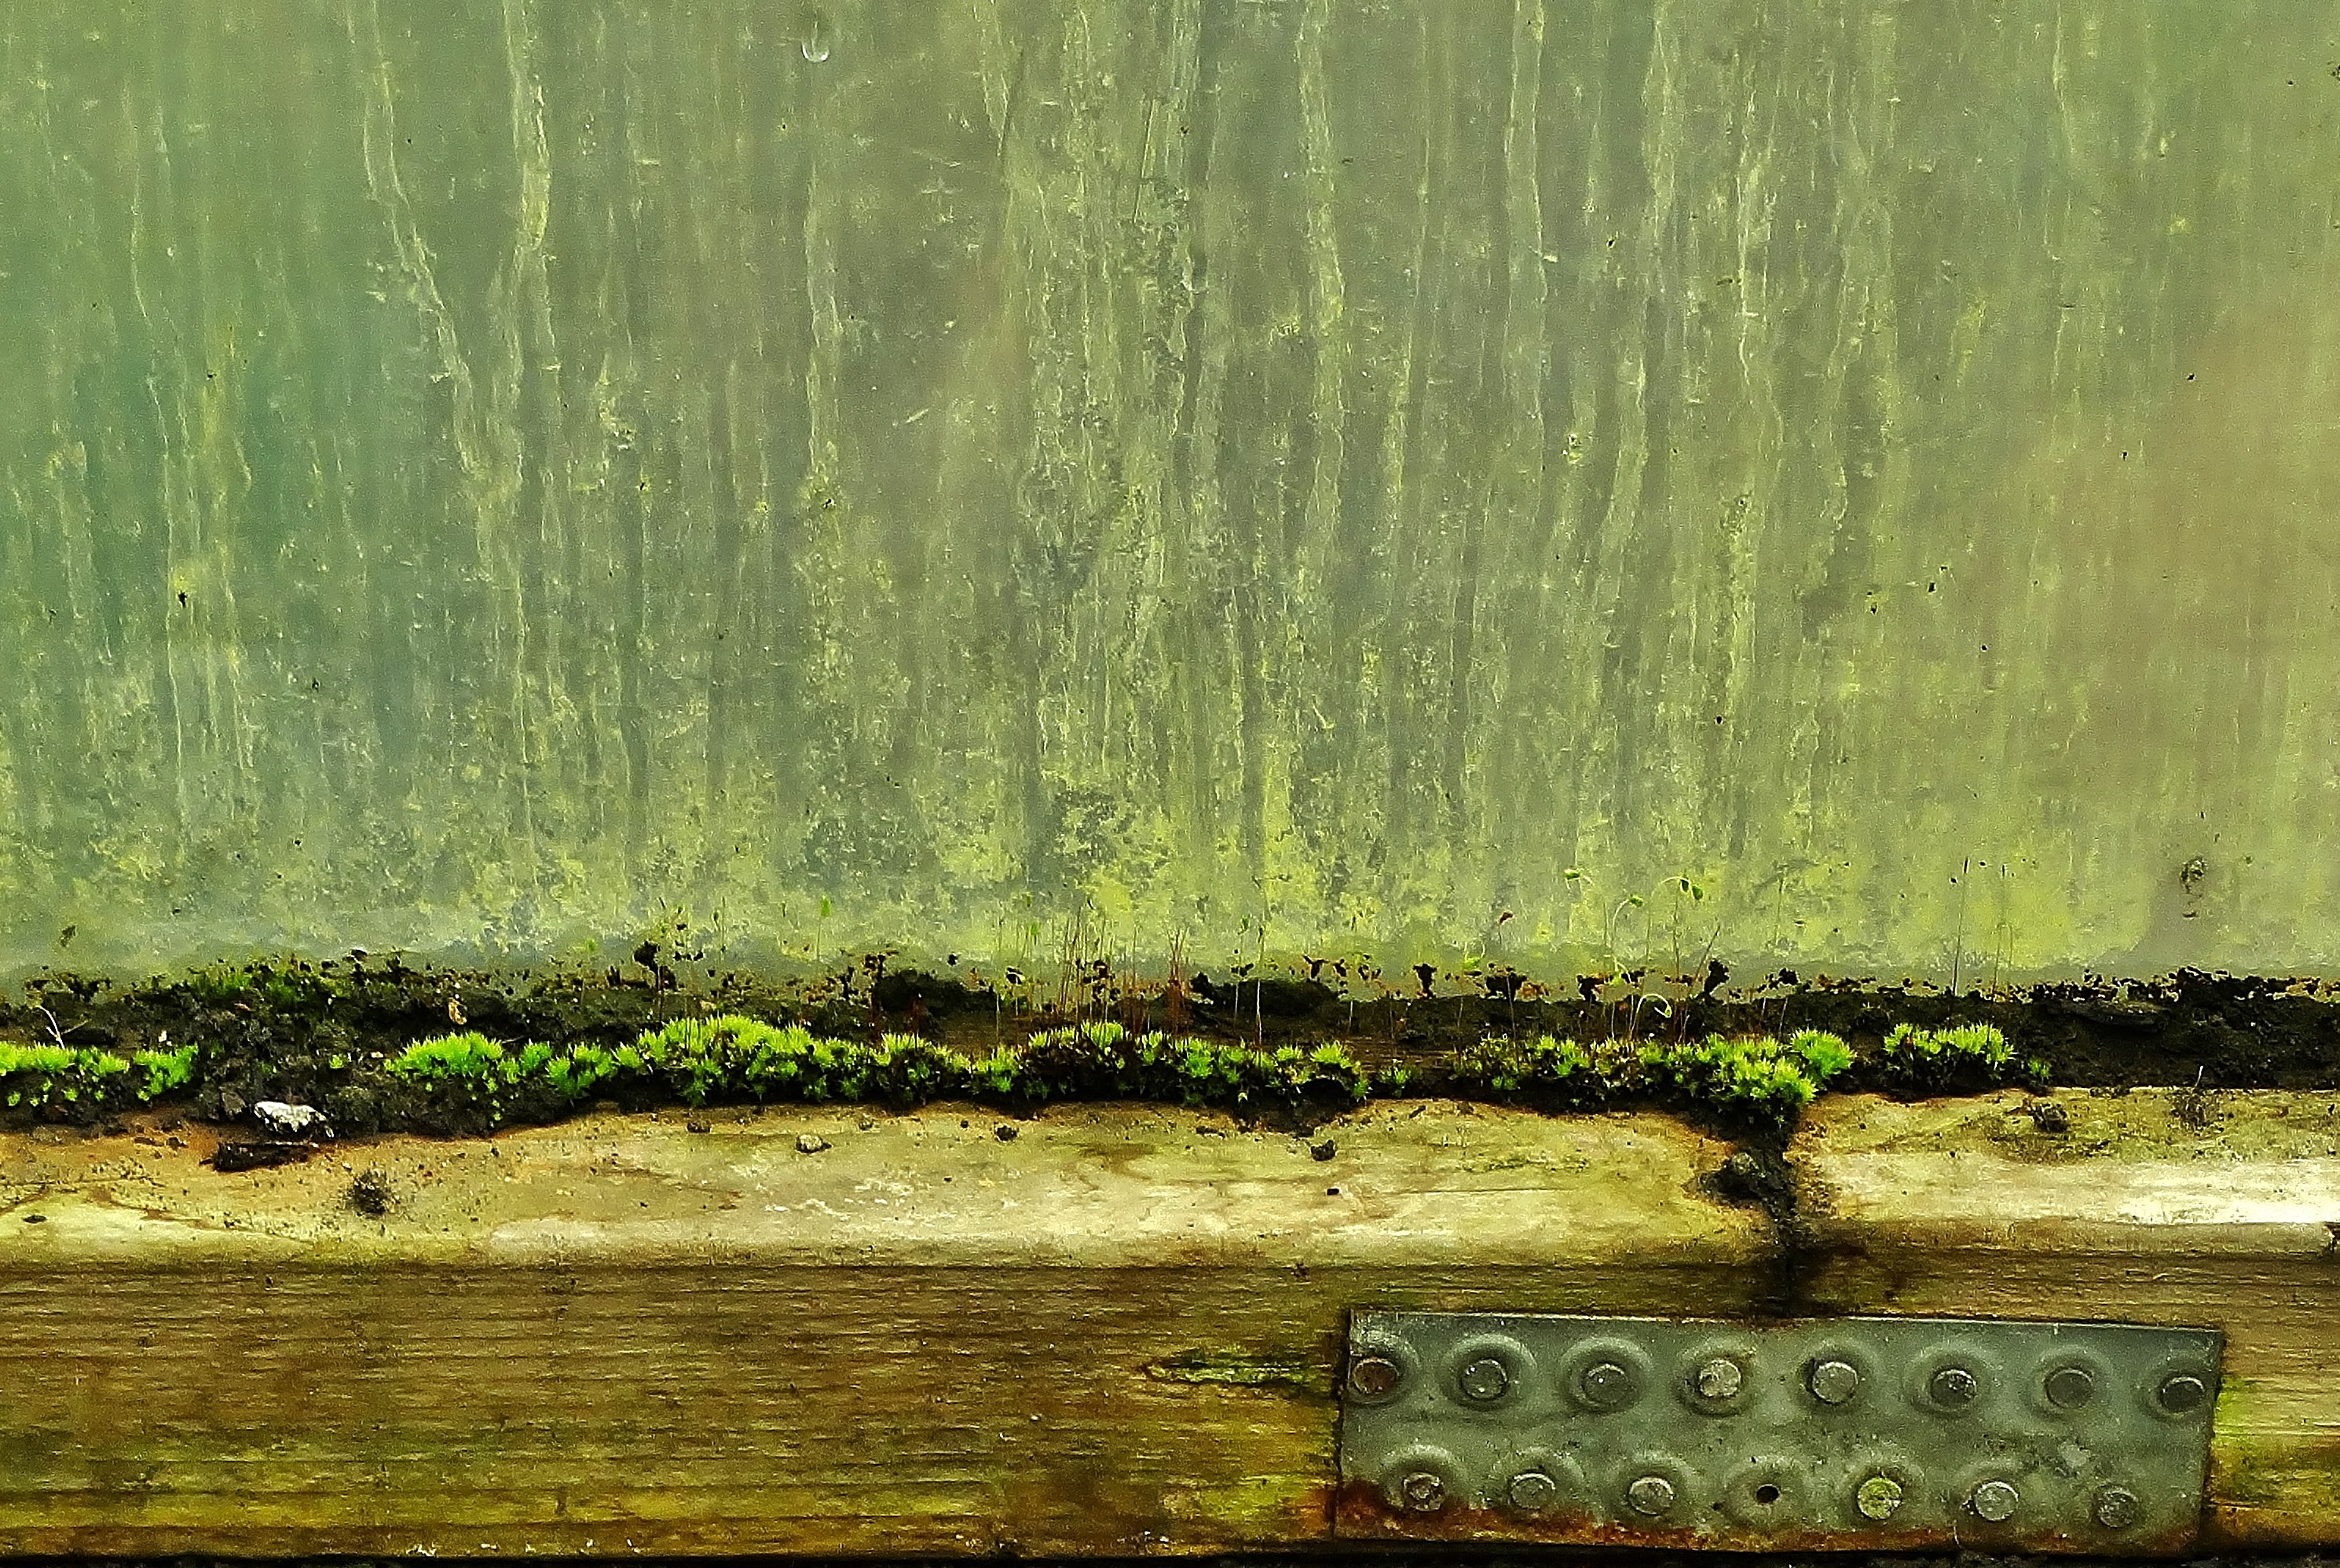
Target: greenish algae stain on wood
x,y
1117,1334
618,1333
1291,478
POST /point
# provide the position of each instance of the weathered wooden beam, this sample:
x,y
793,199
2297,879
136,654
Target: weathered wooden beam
x,y
1117,1331
2153,1207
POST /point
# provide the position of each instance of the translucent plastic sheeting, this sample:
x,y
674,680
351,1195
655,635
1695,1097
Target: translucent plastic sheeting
x,y
1283,476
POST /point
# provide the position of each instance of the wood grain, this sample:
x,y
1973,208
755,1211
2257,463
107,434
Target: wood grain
x,y
1117,1333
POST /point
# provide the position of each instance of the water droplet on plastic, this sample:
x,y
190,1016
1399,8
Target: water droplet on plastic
x,y
815,38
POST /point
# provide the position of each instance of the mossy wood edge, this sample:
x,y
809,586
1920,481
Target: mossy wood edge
x,y
469,1083
1117,1331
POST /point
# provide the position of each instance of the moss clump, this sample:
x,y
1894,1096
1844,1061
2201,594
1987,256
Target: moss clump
x,y
218,986
733,1057
166,1072
1542,1071
469,1080
43,1076
1765,1080
1960,1059
470,1072
1106,1061
730,1059
59,1078
1761,1081
444,1059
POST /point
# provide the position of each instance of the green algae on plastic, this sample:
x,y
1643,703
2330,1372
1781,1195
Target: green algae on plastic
x,y
1534,477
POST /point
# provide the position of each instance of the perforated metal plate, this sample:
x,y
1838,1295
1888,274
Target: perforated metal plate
x,y
1861,1432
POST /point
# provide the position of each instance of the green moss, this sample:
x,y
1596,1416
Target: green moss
x,y
221,985
1105,1061
43,1078
443,1059
51,1077
286,986
1962,1058
1762,1080
735,1058
1544,1067
469,1071
295,988
166,1071
577,1072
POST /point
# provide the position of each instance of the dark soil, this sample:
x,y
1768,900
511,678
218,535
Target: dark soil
x,y
316,1033
1440,1555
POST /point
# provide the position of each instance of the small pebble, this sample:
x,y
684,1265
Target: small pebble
x,y
1004,1133
810,1143
37,1219
1325,1150
289,1121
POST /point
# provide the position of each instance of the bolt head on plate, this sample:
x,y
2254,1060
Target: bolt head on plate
x,y
1718,1379
1531,1491
1954,1387
2182,1393
1834,1382
1607,1385
1994,1501
2116,1508
2069,1388
1879,1498
1423,1492
1373,1376
1484,1380
1650,1496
